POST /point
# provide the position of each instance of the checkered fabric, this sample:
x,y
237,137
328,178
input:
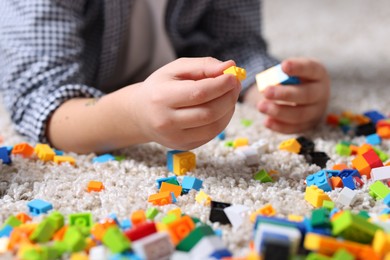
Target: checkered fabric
x,y
55,50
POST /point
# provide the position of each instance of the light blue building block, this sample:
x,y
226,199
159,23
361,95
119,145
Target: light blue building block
x,y
373,139
189,183
170,159
6,231
320,179
103,158
37,207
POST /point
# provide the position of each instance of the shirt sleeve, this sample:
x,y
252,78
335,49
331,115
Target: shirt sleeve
x,y
224,29
41,53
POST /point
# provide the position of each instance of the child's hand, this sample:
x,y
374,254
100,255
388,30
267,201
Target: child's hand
x,y
310,97
187,102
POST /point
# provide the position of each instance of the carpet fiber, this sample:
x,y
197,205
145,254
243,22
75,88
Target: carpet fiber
x,y
350,37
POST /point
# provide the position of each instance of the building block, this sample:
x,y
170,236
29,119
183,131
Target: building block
x,y
142,230
318,158
380,173
183,162
320,179
125,224
382,155
349,182
203,198
57,219
23,217
194,237
170,159
240,141
170,179
273,77
374,116
221,136
217,214
336,182
167,187
329,205
180,228
154,246
95,186
315,196
373,159
4,156
207,246
236,215
379,190
381,243
115,240
103,158
6,230
290,145
151,213
60,159
267,210
37,207
320,218
365,129
74,239
44,231
347,196
332,119
23,149
263,176
138,217
383,132
343,150
339,167
374,139
13,221
81,220
307,145
238,72
249,154
44,152
354,228
190,183
161,198
362,166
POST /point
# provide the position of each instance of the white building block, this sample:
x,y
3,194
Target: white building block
x,y
180,255
293,234
99,253
347,196
249,154
207,246
4,244
154,246
380,173
236,215
261,146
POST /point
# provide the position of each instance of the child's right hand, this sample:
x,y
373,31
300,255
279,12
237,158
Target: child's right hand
x,y
186,103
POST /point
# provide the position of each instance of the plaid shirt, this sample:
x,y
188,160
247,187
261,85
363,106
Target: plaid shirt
x,y
55,50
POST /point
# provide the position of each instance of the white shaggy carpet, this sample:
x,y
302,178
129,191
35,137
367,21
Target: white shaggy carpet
x,y
351,37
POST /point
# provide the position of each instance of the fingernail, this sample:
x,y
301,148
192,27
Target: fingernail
x,y
263,107
269,92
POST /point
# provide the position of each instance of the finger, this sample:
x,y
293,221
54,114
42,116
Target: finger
x,y
304,68
289,114
205,114
193,93
304,94
286,128
196,68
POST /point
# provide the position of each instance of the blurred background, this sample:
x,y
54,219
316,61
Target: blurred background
x,y
351,37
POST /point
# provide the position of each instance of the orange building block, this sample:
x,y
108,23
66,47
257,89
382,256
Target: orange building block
x,y
59,235
361,119
360,164
18,236
291,145
23,149
340,167
329,245
315,196
364,148
44,152
63,159
180,228
95,186
354,149
383,132
138,217
176,189
336,182
183,162
23,217
98,230
161,198
267,210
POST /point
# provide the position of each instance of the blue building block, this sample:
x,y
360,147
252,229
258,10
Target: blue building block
x,y
114,217
320,179
9,149
103,158
373,139
4,155
218,232
189,183
282,222
37,207
318,230
170,159
6,231
333,211
374,116
345,128
125,224
174,200
220,254
125,256
349,172
385,211
332,173
349,182
386,200
58,152
268,236
161,180
221,136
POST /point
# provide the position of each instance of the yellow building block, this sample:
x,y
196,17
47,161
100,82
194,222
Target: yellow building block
x,y
44,152
177,212
315,196
79,256
295,218
240,73
241,141
63,159
183,162
161,226
381,243
176,189
203,198
291,145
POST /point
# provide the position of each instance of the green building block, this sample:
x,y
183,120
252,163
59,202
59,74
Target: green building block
x,y
60,247
115,240
329,205
379,190
342,254
12,221
382,155
81,220
119,158
169,218
173,181
364,214
44,231
57,219
354,227
246,122
74,239
262,176
40,253
344,121
320,218
194,237
151,213
229,143
343,150
316,256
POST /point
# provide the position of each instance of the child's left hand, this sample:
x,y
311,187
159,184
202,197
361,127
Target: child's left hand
x,y
308,100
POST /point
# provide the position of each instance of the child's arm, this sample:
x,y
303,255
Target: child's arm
x,y
182,106
310,97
